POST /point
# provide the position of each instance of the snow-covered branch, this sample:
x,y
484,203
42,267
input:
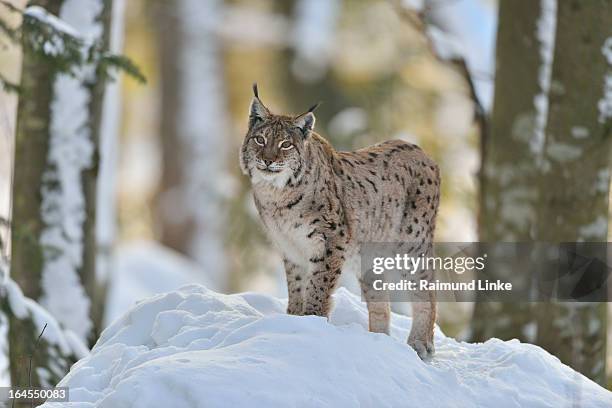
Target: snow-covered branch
x,y
456,40
65,48
61,347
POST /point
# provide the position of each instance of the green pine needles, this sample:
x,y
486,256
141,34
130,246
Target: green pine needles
x,y
45,36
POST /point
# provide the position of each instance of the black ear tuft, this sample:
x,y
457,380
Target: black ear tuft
x,y
306,120
313,107
305,123
257,110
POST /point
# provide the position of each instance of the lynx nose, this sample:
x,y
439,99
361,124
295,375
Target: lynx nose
x,y
268,162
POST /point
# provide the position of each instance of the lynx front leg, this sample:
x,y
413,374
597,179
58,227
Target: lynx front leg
x,y
326,270
295,278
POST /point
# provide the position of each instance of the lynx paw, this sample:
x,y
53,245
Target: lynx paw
x,y
294,309
425,349
310,310
317,308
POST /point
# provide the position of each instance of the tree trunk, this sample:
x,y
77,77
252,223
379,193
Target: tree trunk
x,y
106,217
546,166
193,135
575,183
54,191
509,170
88,271
172,233
69,185
31,149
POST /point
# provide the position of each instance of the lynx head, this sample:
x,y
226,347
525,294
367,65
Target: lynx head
x,y
273,149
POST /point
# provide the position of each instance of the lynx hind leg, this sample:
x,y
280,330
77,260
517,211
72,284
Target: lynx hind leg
x,y
379,310
295,278
421,337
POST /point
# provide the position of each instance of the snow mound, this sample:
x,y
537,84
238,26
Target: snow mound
x,y
197,348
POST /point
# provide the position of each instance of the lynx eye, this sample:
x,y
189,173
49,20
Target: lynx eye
x,y
260,140
286,145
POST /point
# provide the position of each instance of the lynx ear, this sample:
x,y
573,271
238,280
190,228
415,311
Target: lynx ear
x,y
258,110
306,121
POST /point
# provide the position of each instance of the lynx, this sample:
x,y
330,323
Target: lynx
x,y
319,206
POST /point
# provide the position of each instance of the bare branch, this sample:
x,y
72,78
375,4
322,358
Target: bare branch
x,y
31,358
480,115
10,6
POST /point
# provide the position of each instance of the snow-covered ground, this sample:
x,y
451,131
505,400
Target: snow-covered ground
x,y
197,348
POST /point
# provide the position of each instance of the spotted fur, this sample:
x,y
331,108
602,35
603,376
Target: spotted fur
x,y
319,205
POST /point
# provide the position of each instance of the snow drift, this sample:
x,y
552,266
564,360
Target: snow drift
x,y
197,348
